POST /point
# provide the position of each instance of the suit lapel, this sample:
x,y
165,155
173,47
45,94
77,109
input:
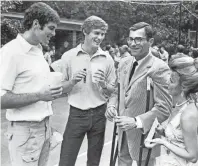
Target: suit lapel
x,y
141,70
127,70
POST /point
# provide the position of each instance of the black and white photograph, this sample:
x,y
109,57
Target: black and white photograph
x,y
99,83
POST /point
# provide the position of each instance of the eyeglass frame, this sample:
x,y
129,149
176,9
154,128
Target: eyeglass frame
x,y
130,39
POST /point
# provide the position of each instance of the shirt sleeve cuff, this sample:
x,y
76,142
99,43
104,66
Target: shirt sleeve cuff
x,y
138,122
111,106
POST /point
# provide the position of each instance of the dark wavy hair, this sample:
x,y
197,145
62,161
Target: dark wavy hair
x,y
41,12
94,22
187,69
148,29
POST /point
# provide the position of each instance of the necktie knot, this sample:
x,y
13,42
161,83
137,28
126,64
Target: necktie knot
x,y
135,63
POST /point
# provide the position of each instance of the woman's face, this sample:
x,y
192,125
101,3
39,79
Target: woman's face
x,y
174,87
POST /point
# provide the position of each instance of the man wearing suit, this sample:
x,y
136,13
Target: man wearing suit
x,y
132,76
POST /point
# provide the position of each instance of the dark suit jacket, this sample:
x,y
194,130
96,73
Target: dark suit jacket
x,y
133,98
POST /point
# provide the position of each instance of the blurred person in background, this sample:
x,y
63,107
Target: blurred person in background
x,y
47,54
163,54
53,52
124,51
155,51
110,50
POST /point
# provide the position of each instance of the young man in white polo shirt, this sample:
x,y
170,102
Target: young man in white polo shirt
x,y
89,80
24,92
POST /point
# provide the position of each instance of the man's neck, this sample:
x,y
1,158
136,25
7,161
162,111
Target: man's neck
x,y
30,37
142,57
90,50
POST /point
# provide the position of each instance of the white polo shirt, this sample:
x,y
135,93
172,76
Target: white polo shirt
x,y
23,69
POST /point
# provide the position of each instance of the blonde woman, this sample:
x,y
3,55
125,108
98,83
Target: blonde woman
x,y
180,136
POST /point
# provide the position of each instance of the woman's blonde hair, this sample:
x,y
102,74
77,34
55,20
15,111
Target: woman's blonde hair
x,y
187,68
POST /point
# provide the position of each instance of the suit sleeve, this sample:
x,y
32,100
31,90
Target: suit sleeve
x,y
161,98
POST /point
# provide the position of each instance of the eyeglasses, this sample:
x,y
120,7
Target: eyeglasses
x,y
137,40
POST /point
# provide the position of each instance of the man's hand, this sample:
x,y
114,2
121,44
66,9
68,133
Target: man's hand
x,y
78,76
49,93
100,78
111,113
125,123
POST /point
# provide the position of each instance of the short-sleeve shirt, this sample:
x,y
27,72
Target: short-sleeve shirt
x,y
24,70
86,95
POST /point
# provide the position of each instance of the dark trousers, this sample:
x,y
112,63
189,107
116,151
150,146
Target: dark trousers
x,y
80,122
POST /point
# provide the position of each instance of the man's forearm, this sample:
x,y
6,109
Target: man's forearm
x,y
10,100
108,89
67,86
113,100
181,152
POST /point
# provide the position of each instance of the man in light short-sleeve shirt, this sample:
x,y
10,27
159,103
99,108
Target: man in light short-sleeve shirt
x,y
24,92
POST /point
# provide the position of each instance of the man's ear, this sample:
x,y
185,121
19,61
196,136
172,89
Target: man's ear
x,y
36,24
84,32
151,41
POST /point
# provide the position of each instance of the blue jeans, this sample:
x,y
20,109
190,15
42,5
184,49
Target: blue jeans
x,y
91,122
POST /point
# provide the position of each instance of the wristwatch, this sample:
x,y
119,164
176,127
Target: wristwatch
x,y
135,122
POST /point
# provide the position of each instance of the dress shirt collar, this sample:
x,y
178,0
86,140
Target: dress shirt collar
x,y
25,45
99,52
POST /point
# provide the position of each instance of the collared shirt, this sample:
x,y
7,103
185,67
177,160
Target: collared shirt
x,y
24,70
86,95
126,54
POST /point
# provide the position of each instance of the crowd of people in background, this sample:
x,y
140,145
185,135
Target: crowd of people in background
x,y
49,54
160,51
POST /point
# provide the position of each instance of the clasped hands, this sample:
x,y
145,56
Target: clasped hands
x,y
123,122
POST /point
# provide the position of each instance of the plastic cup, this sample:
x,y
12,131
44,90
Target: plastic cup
x,y
94,68
55,79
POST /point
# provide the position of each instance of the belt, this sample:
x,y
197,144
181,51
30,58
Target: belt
x,y
89,110
29,122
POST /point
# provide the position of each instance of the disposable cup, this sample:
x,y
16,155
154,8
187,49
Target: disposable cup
x,y
94,68
55,79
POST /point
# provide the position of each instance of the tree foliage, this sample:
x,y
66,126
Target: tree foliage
x,y
9,27
121,15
